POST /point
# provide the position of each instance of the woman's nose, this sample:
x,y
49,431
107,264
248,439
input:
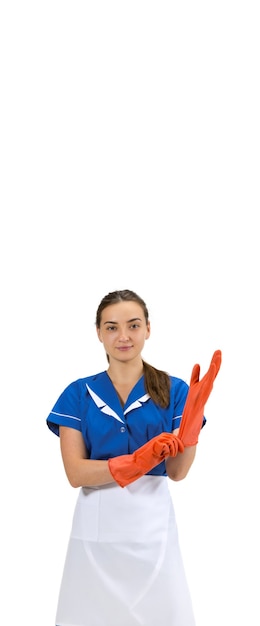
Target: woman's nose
x,y
123,335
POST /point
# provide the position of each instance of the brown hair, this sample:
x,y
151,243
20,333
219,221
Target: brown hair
x,y
157,382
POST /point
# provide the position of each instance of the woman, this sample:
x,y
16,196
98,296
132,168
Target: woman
x,y
120,439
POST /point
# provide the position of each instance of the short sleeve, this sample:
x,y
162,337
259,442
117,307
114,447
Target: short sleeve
x,y
67,410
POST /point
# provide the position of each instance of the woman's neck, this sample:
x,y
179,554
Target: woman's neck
x,y
125,373
124,379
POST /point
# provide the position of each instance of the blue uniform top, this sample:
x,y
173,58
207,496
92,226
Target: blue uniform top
x,y
92,406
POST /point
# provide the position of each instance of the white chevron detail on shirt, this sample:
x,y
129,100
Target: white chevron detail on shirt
x,y
137,403
105,408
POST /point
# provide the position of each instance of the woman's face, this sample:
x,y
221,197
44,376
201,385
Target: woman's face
x,y
123,330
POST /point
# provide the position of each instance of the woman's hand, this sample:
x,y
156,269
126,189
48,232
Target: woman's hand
x,y
197,397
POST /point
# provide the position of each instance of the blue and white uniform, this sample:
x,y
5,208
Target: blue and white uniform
x,y
123,565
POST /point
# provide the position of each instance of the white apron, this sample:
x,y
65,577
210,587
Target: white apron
x,y
123,565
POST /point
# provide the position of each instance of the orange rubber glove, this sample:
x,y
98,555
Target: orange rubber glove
x,y
127,468
198,394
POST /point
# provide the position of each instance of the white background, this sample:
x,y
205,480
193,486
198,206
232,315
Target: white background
x,y
130,159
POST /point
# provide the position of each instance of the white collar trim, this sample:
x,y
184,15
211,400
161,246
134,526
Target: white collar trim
x,y
105,408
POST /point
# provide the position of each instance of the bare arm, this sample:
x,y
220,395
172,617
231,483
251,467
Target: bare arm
x,y
178,467
83,472
80,470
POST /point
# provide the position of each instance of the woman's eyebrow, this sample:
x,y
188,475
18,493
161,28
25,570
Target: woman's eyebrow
x,y
134,319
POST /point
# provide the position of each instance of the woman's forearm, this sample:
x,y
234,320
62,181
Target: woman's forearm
x,y
93,473
82,471
178,467
88,473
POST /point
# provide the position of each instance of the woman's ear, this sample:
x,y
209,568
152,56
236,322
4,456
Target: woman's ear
x,y
148,332
99,334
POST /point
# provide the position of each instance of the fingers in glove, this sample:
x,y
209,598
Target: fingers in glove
x,y
208,380
195,375
176,446
161,449
168,445
216,359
